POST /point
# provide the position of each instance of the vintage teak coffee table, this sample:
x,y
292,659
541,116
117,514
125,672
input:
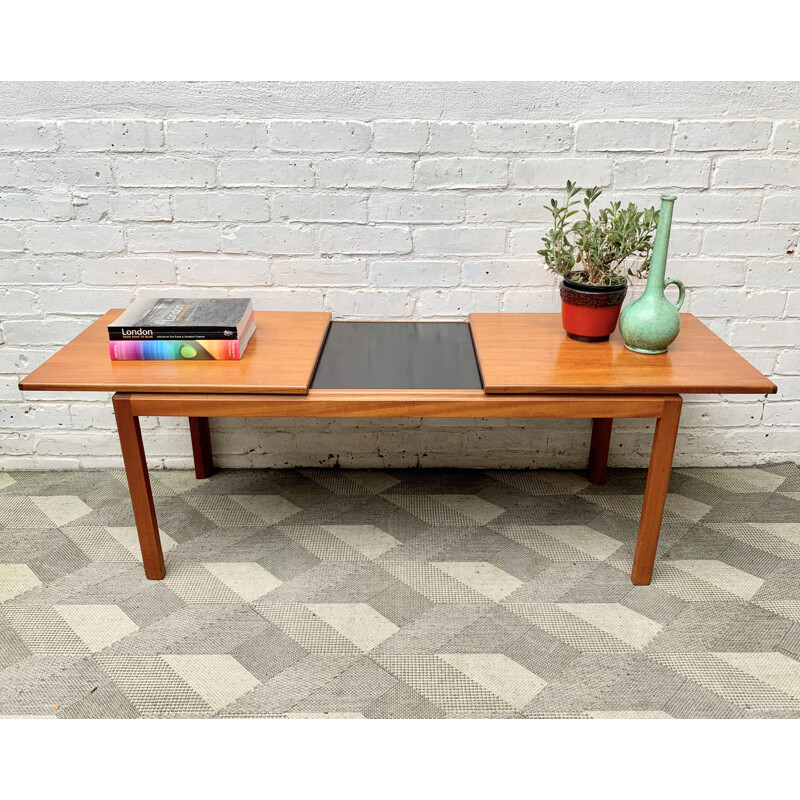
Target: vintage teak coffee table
x,y
301,365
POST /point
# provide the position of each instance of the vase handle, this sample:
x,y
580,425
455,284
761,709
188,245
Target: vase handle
x,y
682,291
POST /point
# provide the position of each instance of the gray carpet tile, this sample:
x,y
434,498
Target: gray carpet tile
x,y
418,594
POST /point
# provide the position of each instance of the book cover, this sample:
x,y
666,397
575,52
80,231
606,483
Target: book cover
x,y
181,349
183,318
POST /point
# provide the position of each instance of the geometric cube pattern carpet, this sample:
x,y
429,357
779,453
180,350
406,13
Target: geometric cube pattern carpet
x,y
401,593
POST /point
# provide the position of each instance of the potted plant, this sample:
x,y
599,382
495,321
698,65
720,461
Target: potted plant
x,y
596,256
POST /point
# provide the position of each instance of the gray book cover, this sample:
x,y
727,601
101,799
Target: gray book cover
x,y
183,318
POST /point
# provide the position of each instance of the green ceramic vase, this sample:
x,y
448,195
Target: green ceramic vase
x,y
651,323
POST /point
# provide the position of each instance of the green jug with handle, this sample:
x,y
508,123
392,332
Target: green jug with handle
x,y
651,323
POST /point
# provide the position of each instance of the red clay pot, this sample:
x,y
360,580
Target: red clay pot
x,y
590,313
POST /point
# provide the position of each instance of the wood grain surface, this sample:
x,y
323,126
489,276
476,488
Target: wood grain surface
x,y
530,353
280,359
332,403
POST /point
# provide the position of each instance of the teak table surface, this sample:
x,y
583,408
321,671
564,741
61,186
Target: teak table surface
x,y
517,354
280,359
528,368
524,353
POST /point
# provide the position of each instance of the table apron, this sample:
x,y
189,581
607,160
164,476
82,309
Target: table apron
x,y
455,404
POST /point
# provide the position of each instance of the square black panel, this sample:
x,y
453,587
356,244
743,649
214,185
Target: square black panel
x,y
398,355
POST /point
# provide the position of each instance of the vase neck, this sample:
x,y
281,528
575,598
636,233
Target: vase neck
x,y
658,260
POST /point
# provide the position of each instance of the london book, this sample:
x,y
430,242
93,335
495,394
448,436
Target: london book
x,y
183,319
181,349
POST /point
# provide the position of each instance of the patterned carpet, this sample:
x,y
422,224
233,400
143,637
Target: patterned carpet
x,y
407,593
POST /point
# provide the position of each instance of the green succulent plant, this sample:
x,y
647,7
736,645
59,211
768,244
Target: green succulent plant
x,y
605,250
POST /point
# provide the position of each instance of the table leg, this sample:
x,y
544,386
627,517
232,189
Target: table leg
x,y
598,449
144,512
201,447
655,492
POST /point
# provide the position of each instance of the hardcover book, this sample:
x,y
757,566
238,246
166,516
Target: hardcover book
x,y
183,319
181,349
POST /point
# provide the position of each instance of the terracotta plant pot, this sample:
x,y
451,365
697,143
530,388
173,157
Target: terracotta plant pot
x,y
590,313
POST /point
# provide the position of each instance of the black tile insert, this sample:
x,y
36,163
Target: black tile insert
x,y
398,355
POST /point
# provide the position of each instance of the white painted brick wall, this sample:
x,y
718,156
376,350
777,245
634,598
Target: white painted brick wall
x,y
154,238
319,207
75,238
123,136
12,238
461,173
523,137
36,207
666,173
711,136
377,215
555,172
358,239
449,137
220,206
624,135
752,173
319,135
28,135
267,239
320,272
365,173
165,171
460,241
781,208
146,206
215,135
265,172
428,208
399,136
787,137
415,273
747,241
91,171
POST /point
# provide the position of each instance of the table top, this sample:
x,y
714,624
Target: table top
x,y
280,359
398,355
530,354
517,354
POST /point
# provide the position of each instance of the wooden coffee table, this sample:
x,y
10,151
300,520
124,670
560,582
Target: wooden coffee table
x,y
522,365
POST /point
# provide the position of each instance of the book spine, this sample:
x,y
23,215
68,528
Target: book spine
x,y
116,334
176,350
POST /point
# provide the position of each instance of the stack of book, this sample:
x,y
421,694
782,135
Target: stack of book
x,y
177,329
